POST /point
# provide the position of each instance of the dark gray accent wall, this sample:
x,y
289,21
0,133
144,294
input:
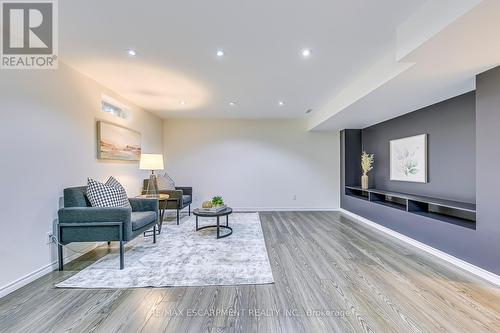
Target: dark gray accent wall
x,y
350,145
352,158
487,167
480,247
451,127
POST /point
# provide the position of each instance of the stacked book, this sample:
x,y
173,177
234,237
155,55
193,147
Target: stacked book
x,y
215,209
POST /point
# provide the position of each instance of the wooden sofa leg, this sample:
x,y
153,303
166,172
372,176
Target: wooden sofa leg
x,y
109,243
122,264
177,217
60,256
189,210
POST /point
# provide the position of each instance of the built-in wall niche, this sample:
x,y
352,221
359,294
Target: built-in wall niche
x,y
458,213
461,215
388,200
356,193
431,209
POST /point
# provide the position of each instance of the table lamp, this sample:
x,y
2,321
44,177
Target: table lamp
x,y
151,162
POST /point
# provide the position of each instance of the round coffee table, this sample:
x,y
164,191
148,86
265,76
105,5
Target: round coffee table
x,y
226,212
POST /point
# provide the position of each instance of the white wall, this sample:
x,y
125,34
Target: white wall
x,y
254,164
48,142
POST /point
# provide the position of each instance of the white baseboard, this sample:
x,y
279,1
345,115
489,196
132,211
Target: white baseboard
x,y
487,275
22,281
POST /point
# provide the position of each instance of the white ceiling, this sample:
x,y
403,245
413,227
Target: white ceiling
x,y
176,43
437,55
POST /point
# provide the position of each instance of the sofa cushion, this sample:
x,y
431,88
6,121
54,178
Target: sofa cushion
x,y
165,182
142,219
106,195
116,184
186,199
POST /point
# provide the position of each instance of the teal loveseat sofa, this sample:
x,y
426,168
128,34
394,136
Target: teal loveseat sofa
x,y
80,222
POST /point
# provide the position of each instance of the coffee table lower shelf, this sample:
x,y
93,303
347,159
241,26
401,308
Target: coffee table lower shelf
x,y
226,212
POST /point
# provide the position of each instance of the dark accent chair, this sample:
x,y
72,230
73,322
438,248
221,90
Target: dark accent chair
x,y
80,222
179,198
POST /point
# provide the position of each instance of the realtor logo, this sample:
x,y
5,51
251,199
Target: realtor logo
x,y
29,34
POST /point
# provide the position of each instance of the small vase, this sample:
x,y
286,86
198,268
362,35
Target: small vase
x,y
364,182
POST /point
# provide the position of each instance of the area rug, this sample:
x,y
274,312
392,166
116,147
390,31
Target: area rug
x,y
185,257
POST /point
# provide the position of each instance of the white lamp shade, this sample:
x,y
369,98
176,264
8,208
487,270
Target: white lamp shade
x,y
151,162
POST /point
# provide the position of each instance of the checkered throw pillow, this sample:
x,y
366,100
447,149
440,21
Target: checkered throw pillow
x,y
110,194
165,183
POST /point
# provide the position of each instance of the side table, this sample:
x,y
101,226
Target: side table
x,y
162,205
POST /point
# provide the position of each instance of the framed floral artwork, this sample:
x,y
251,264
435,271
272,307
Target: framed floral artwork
x,y
408,159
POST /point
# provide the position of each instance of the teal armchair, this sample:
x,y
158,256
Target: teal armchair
x,y
179,198
80,222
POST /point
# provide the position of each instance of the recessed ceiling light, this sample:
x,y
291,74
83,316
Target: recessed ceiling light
x,y
131,52
306,53
232,103
308,111
182,102
220,53
281,103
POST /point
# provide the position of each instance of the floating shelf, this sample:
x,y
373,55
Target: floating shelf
x,y
458,213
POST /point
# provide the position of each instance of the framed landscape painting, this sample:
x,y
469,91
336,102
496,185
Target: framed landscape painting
x,y
408,159
115,142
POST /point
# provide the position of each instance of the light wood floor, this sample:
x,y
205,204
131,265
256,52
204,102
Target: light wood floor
x,y
332,275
